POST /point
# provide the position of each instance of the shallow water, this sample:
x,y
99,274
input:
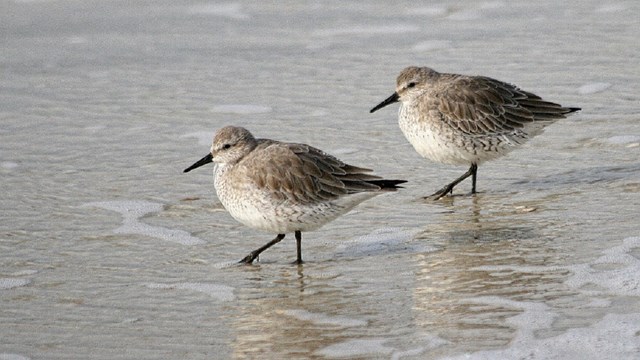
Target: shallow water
x,y
108,251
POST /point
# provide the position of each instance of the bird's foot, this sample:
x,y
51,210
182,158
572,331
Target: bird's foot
x,y
249,258
440,193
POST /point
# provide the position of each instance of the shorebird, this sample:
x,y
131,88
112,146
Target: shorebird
x,y
282,187
466,120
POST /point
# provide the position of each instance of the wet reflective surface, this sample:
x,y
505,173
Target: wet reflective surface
x,y
108,251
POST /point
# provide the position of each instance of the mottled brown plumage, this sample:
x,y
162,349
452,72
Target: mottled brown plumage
x,y
285,187
302,174
460,119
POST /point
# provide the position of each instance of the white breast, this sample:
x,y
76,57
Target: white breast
x,y
438,142
255,208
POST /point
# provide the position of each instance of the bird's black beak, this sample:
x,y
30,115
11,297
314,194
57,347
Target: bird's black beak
x,y
204,161
390,100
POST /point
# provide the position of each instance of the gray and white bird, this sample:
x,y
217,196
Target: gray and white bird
x,y
466,120
281,187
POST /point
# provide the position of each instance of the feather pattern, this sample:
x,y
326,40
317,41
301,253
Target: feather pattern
x,y
466,120
478,105
284,187
302,173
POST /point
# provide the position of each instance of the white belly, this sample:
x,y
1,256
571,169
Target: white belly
x,y
255,208
438,142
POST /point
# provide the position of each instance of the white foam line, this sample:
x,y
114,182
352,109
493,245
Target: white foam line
x,y
519,268
614,337
427,341
217,291
9,165
406,353
132,211
381,241
367,30
10,283
7,356
225,264
593,88
228,10
622,281
610,8
376,346
623,139
24,273
432,11
323,319
355,348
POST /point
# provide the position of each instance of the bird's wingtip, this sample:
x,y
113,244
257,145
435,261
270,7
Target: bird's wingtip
x,y
390,184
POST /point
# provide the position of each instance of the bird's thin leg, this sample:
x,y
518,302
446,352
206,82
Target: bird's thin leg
x,y
449,188
299,246
474,171
255,253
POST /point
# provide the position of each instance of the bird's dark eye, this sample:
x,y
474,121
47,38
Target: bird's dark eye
x,y
226,146
411,84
